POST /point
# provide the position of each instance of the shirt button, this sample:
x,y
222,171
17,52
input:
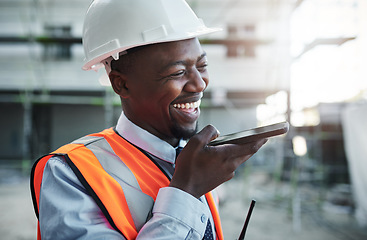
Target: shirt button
x,y
203,218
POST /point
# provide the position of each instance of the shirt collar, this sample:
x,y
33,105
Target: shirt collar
x,y
147,141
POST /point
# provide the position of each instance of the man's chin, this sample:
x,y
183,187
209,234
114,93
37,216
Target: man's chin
x,y
184,133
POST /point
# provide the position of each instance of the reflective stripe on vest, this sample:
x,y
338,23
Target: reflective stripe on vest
x,y
126,202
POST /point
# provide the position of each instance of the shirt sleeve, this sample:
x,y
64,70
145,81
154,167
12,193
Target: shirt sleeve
x,y
68,212
178,214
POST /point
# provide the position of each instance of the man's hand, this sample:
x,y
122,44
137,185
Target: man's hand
x,y
201,168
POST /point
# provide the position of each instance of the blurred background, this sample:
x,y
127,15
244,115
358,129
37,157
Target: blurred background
x,y
302,61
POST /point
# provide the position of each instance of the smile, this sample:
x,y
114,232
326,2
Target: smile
x,y
191,105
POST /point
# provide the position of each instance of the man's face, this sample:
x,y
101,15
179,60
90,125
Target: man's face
x,y
165,85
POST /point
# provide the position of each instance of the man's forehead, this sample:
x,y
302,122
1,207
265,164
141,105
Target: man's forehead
x,y
173,51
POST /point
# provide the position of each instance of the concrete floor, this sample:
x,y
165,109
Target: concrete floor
x,y
279,216
272,217
17,219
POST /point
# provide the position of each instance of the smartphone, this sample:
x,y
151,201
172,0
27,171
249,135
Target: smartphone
x,y
252,135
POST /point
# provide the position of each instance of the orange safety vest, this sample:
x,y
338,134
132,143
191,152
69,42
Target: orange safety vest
x,y
126,203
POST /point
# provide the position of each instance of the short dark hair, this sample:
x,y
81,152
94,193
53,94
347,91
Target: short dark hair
x,y
123,64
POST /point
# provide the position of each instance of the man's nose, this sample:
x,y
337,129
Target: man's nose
x,y
196,83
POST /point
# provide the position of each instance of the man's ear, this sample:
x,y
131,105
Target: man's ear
x,y
119,83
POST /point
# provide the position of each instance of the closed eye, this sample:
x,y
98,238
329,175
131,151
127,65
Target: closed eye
x,y
203,67
178,73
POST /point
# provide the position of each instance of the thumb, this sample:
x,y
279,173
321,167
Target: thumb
x,y
206,135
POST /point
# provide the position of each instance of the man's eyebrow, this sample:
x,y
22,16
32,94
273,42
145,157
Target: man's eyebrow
x,y
183,62
202,56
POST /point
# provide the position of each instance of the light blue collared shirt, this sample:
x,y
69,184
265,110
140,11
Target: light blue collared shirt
x,y
68,212
157,148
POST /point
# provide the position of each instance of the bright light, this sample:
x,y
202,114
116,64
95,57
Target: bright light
x,y
327,73
299,146
274,110
309,117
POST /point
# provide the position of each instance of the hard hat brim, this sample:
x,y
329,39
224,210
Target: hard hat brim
x,y
96,63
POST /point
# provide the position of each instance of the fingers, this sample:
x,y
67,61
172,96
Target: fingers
x,y
252,147
238,150
236,154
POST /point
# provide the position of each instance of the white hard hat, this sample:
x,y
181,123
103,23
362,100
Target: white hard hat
x,y
113,26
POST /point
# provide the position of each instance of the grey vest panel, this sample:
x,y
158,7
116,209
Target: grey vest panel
x,y
140,204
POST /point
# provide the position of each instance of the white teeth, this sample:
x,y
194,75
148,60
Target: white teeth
x,y
187,105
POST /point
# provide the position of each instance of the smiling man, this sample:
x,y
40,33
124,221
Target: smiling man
x,y
162,89
132,181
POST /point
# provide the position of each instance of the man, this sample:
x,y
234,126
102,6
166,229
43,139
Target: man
x,y
125,182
